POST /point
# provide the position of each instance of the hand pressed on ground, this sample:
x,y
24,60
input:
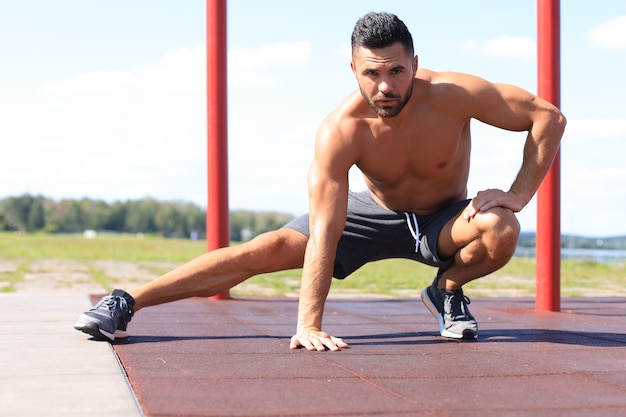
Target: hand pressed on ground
x,y
317,340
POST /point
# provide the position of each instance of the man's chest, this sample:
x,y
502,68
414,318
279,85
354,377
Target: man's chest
x,y
424,151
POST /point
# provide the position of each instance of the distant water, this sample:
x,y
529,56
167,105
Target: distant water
x,y
597,255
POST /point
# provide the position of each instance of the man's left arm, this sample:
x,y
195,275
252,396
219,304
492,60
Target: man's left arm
x,y
511,108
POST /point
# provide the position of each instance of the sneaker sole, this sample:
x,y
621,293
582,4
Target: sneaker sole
x,y
91,328
121,334
433,309
467,335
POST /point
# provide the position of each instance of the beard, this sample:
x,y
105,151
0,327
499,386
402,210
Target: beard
x,y
388,111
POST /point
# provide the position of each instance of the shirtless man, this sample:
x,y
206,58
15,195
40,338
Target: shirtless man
x,y
408,131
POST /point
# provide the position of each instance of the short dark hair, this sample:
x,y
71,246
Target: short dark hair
x,y
380,30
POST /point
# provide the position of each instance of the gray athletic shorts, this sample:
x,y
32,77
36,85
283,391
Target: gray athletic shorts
x,y
373,233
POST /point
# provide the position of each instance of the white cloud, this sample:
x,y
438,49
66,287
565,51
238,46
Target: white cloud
x,y
470,46
129,132
589,129
299,131
245,66
521,48
610,34
592,175
93,83
180,71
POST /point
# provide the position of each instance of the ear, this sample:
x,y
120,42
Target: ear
x,y
415,66
352,67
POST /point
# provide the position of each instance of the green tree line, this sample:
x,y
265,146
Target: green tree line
x,y
30,213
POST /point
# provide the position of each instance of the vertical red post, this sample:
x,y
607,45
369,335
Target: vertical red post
x,y
548,251
217,217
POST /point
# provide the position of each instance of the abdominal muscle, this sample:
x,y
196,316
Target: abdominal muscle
x,y
420,194
416,198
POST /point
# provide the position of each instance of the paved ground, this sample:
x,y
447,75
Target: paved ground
x,y
231,358
49,369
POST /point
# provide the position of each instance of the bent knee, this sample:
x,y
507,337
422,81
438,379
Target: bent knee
x,y
500,229
498,219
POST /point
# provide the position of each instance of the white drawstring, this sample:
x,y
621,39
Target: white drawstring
x,y
415,233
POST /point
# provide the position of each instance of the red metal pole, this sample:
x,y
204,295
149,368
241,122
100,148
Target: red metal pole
x,y
548,251
217,217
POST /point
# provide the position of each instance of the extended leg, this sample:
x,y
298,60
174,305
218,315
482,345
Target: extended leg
x,y
204,276
222,269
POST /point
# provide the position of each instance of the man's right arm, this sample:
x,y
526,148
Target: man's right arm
x,y
328,201
512,108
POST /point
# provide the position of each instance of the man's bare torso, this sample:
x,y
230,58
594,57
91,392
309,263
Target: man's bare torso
x,y
418,162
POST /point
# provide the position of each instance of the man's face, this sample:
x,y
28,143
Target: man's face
x,y
385,77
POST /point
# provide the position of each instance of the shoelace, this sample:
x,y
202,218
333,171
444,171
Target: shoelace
x,y
111,303
458,309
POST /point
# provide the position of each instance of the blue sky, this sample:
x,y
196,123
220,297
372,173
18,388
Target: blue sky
x,y
107,99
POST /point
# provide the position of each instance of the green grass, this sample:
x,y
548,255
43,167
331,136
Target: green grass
x,y
403,278
11,278
24,250
391,278
119,247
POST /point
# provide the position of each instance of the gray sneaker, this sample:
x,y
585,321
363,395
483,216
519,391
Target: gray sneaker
x,y
458,321
109,317
433,300
451,312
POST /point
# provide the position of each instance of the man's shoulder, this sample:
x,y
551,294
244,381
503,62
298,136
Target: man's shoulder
x,y
450,91
450,79
353,106
349,113
347,125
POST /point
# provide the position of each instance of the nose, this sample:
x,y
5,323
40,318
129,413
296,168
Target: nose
x,y
384,87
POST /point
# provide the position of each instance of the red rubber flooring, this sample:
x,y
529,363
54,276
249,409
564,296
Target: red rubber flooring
x,y
199,357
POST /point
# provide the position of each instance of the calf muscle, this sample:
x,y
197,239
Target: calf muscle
x,y
222,269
